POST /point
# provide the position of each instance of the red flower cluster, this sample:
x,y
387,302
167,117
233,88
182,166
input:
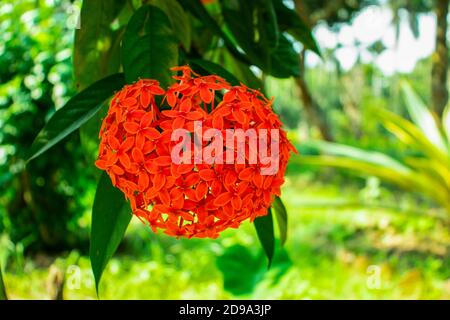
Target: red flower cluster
x,y
188,199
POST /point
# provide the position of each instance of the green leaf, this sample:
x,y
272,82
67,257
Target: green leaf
x,y
242,72
241,269
282,218
149,46
446,123
411,135
97,49
248,22
265,232
365,168
179,20
423,117
409,179
292,23
214,68
96,44
284,60
373,157
89,135
268,23
3,295
110,218
75,113
198,10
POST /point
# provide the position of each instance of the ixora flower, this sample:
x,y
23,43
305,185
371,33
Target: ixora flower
x,y
190,182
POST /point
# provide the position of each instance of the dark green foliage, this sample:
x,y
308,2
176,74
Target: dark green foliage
x,y
96,44
265,232
110,218
120,42
282,218
41,202
149,47
253,25
241,269
76,112
3,295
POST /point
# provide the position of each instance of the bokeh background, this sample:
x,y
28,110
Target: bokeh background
x,y
355,231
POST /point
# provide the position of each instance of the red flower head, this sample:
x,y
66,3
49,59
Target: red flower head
x,y
220,180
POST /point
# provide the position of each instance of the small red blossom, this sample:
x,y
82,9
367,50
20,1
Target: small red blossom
x,y
189,199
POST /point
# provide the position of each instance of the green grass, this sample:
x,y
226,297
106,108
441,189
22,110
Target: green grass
x,y
394,248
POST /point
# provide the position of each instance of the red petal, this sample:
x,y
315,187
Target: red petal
x,y
186,105
176,194
118,113
206,95
201,190
144,99
147,119
149,146
230,178
136,114
164,197
242,187
216,86
239,116
170,181
194,115
143,181
258,180
186,215
129,102
267,182
127,144
133,169
190,193
236,202
229,96
117,170
216,187
192,179
140,141
178,123
166,125
113,142
222,111
156,90
246,174
217,122
111,157
223,199
260,112
125,160
151,133
184,168
163,161
131,127
171,99
158,181
102,164
170,113
207,174
178,203
267,198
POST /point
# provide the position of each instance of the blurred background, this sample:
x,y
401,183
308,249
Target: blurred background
x,y
368,198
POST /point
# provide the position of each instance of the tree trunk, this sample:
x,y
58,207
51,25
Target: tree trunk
x,y
439,90
311,107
